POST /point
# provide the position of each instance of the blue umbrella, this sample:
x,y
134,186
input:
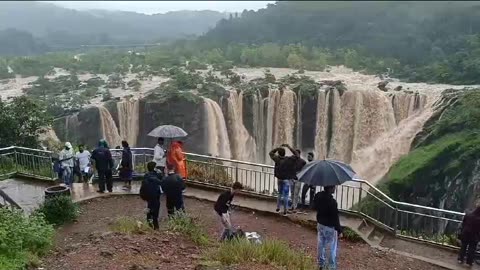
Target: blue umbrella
x,y
326,173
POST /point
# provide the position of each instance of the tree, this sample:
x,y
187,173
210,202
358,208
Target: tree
x,y
21,121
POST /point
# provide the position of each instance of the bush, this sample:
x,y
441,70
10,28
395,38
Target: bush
x,y
185,224
130,225
271,252
59,210
22,238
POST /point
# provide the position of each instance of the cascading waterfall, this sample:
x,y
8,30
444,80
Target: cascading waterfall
x,y
218,143
71,127
109,129
273,101
128,119
243,146
285,119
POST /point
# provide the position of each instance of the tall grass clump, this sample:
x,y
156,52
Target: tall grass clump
x,y
130,225
23,238
271,252
182,223
59,210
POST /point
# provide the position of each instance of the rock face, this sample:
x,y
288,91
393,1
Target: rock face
x,y
83,127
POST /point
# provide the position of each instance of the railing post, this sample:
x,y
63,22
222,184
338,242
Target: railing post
x,y
16,160
395,226
236,173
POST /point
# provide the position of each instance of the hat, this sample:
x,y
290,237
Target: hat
x,y
68,145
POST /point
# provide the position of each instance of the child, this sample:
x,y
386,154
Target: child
x,y
150,192
172,186
222,207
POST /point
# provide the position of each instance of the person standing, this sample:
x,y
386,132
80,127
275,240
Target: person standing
x,y
159,155
222,208
306,188
83,160
470,236
67,163
177,158
173,185
285,171
126,166
328,226
295,184
150,191
104,165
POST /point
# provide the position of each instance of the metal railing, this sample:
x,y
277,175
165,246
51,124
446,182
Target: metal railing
x,y
357,197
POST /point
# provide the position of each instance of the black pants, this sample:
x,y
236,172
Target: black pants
x,y
105,177
174,204
304,194
468,249
153,213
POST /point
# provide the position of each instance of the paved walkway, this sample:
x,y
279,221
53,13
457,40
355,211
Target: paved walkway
x,y
20,190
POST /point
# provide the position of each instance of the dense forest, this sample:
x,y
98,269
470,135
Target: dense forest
x,y
62,28
432,41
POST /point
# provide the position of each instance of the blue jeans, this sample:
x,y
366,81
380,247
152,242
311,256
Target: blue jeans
x,y
67,176
283,188
327,237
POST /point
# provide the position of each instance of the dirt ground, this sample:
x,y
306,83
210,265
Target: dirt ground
x,y
89,244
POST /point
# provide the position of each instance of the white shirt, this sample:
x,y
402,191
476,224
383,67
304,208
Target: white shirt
x,y
159,156
83,159
67,157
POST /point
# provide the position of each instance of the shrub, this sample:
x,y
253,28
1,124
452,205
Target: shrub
x,y
59,210
185,224
130,225
22,238
351,235
271,252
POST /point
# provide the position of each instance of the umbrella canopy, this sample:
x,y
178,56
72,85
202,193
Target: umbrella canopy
x,y
168,131
326,173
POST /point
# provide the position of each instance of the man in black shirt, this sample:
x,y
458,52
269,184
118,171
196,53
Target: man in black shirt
x,y
328,226
172,186
222,207
104,165
150,192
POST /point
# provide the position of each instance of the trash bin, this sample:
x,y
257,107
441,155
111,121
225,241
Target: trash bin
x,y
56,191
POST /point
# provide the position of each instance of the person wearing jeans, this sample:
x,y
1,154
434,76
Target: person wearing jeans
x,y
283,195
328,226
66,160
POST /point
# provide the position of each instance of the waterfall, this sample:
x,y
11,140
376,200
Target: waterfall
x,y
71,127
321,125
258,108
128,119
109,129
243,145
374,161
285,119
218,143
273,101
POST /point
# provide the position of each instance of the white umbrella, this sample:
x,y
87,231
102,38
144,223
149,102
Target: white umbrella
x,y
168,131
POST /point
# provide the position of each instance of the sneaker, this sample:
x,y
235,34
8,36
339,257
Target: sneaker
x,y
460,262
285,213
100,191
110,191
277,210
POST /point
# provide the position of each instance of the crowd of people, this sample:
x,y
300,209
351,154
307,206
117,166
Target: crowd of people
x,y
167,171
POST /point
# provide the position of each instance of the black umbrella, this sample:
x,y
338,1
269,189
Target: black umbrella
x,y
326,173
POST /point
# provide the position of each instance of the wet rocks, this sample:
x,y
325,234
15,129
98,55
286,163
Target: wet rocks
x,y
383,86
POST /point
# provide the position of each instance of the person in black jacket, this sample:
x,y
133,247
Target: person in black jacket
x,y
469,235
295,184
222,208
328,226
173,185
285,172
306,188
150,192
126,166
104,165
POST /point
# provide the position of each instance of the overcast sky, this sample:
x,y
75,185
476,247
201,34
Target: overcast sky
x,y
150,7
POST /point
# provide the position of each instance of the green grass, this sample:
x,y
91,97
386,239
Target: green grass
x,y
130,225
187,225
270,252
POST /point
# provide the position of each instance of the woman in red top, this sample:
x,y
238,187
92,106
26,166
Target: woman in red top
x,y
177,157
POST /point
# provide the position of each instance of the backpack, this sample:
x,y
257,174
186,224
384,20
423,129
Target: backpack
x,y
150,189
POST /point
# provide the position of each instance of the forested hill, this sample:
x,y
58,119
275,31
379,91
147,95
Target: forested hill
x,y
434,41
61,27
